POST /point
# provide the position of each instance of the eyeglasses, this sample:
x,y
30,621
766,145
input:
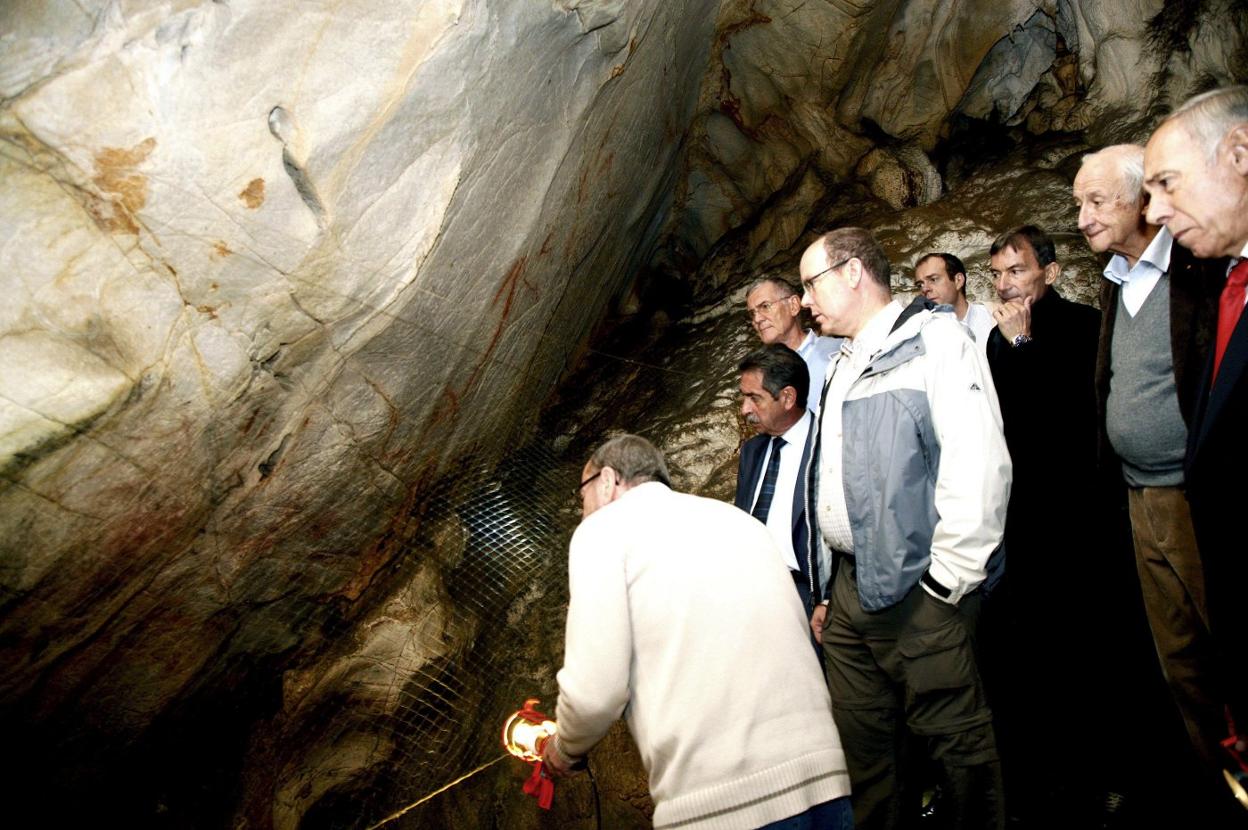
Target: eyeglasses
x,y
764,307
808,284
576,493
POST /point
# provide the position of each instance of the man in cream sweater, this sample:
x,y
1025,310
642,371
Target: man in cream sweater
x,y
684,620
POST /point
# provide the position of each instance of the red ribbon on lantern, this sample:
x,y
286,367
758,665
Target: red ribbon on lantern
x,y
524,735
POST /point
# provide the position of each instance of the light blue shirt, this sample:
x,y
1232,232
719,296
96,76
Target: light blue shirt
x,y
817,352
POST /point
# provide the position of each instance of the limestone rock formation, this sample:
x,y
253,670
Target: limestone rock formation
x,y
270,269
831,86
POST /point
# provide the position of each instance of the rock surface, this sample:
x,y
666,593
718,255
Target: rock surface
x,y
285,280
795,86
270,269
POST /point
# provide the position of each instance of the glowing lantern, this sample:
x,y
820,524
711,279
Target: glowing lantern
x,y
525,733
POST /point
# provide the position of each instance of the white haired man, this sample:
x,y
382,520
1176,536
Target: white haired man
x,y
1158,307
683,620
774,308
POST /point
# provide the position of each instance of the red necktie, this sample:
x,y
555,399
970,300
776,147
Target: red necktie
x,y
1230,306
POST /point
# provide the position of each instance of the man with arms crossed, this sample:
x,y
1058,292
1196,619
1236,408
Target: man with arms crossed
x,y
683,619
908,487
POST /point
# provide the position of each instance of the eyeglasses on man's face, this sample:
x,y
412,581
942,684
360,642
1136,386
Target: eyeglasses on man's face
x,y
765,308
808,284
579,490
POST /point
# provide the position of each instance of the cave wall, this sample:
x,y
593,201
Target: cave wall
x,y
801,98
270,268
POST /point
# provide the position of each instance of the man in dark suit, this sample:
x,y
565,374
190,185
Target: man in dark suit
x,y
770,484
1041,668
1196,174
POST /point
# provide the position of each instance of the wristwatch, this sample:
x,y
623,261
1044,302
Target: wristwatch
x,y
1020,339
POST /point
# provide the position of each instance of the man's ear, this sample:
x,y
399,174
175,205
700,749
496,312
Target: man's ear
x,y
1237,146
1051,273
609,482
853,272
788,397
959,285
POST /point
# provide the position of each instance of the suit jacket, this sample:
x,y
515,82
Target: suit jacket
x,y
1194,288
750,470
1047,394
1217,459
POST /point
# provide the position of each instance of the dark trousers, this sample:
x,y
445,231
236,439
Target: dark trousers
x,y
915,661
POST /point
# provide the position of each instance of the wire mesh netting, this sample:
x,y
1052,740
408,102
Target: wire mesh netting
x,y
425,681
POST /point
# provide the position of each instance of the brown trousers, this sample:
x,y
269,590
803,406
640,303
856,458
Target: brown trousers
x,y
1173,584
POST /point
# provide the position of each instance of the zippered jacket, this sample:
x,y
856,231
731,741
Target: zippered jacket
x,y
926,470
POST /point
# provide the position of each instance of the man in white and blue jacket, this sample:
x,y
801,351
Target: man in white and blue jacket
x,y
908,486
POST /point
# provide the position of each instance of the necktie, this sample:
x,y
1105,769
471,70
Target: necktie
x,y
768,491
1230,306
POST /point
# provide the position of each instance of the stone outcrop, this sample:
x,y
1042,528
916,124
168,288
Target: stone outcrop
x,y
868,90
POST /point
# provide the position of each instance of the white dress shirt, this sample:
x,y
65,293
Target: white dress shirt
x,y
780,515
854,356
1243,254
979,320
1139,280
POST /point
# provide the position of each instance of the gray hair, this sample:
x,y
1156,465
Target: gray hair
x,y
779,282
1128,160
1208,117
634,459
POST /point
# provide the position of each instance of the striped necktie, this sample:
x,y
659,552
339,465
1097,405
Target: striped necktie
x,y
768,491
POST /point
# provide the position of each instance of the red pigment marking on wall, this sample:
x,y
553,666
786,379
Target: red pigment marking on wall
x,y
729,104
392,541
580,188
126,189
447,407
507,294
246,428
546,244
253,194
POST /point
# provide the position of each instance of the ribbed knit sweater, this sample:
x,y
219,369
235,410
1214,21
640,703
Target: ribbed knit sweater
x,y
683,618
